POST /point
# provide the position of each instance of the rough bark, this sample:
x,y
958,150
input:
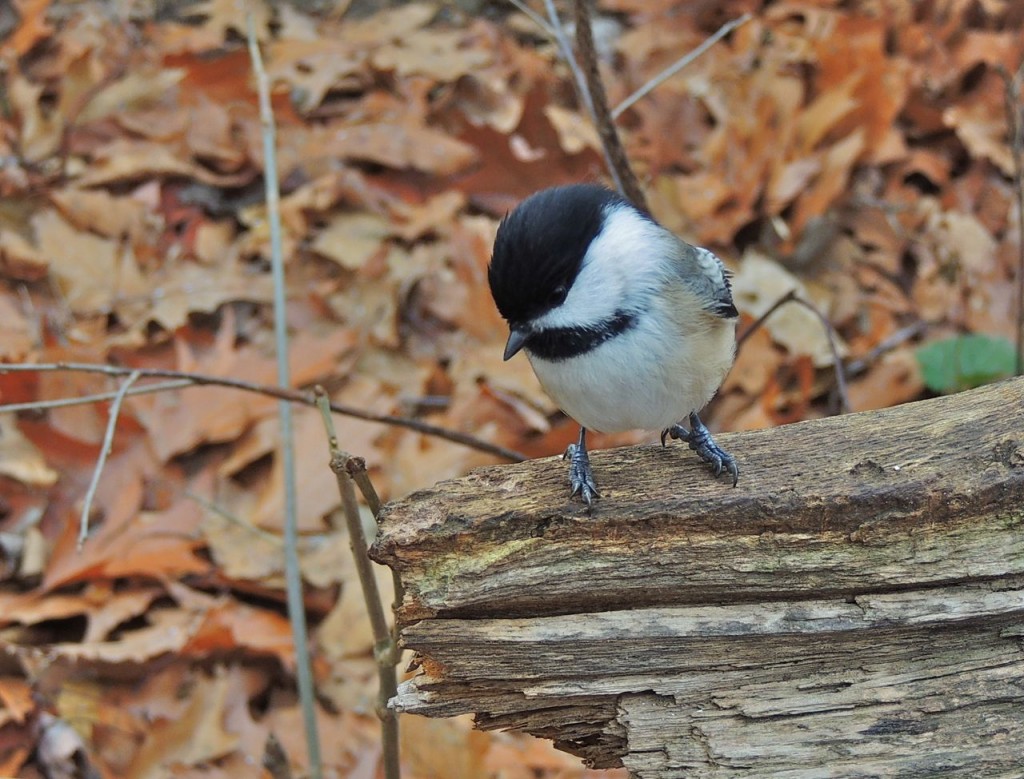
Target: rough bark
x,y
855,607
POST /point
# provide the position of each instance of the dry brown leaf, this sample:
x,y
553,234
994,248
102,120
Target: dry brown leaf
x,y
487,99
435,215
352,239
836,168
20,459
182,287
109,215
388,25
982,128
756,361
451,747
962,243
139,89
400,145
575,133
313,67
229,625
32,27
895,379
243,551
85,423
317,485
84,265
211,135
109,608
788,180
825,112
17,335
40,131
346,631
16,696
442,55
124,161
198,735
222,17
150,544
178,422
758,284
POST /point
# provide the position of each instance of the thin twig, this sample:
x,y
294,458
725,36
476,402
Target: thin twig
x,y
356,467
105,450
227,516
580,81
759,322
830,334
679,64
535,17
1015,130
853,367
385,651
293,573
625,179
281,393
41,405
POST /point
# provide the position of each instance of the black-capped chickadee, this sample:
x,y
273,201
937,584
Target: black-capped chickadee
x,y
626,326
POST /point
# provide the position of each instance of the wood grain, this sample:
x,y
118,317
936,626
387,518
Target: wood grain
x,y
855,607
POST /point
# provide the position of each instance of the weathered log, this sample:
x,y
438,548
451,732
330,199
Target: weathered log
x,y
855,607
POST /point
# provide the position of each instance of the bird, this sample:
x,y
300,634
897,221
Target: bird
x,y
626,326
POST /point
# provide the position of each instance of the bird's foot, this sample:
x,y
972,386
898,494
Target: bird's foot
x,y
581,478
700,440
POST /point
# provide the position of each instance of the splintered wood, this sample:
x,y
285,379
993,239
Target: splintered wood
x,y
854,607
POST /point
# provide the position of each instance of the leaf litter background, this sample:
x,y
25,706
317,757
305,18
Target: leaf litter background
x,y
858,152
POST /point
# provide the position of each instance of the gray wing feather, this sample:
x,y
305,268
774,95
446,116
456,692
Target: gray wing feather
x,y
702,271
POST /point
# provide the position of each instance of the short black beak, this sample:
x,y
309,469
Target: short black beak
x,y
516,340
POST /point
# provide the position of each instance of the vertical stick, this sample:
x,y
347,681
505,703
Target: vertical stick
x,y
293,575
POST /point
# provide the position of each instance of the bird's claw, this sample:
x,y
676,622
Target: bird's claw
x,y
699,439
581,479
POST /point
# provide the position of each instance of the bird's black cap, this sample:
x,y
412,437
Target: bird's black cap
x,y
540,246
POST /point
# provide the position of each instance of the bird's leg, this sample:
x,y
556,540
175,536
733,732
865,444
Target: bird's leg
x,y
700,440
581,479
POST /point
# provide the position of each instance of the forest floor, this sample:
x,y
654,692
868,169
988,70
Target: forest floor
x,y
864,154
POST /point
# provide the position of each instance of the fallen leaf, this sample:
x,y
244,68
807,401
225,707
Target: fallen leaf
x,y
351,239
32,27
574,132
16,696
400,145
388,25
179,421
20,459
17,335
312,68
109,215
198,735
442,55
758,284
139,89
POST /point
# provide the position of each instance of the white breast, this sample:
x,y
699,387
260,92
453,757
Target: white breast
x,y
651,376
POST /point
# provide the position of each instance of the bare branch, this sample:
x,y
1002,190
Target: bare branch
x,y
42,405
281,393
615,153
536,18
679,64
105,450
830,333
385,650
293,573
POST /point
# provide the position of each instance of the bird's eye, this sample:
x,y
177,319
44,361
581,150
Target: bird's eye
x,y
557,296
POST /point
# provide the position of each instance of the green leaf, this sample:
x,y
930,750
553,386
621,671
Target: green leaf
x,y
965,361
